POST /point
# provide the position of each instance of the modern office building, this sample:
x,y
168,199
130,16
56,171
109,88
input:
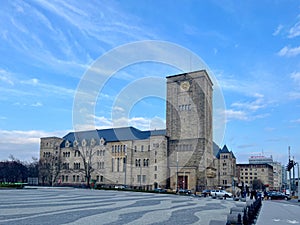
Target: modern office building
x,y
179,156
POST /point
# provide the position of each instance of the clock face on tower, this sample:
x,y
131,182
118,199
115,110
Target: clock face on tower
x,y
185,85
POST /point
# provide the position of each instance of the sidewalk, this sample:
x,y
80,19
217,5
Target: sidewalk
x,y
279,212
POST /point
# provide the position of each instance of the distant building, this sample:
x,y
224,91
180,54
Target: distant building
x,y
260,159
277,169
247,173
226,167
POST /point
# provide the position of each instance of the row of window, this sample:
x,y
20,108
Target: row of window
x,y
145,162
248,178
100,165
118,160
47,154
100,152
249,173
118,148
185,107
76,178
65,166
142,148
76,166
184,147
66,154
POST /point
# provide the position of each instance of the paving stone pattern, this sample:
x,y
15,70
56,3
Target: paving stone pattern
x,y
82,206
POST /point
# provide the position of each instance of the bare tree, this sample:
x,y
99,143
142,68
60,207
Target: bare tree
x,y
87,152
49,169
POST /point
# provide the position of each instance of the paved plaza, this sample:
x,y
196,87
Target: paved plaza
x,y
83,206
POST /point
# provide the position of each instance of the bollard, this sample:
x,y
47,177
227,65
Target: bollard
x,y
235,218
237,210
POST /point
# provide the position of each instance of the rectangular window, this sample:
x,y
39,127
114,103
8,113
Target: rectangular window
x,y
144,178
118,164
139,178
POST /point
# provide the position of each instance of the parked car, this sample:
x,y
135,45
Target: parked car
x,y
160,190
277,195
184,191
220,193
205,193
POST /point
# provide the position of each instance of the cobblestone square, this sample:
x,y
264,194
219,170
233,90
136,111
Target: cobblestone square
x,y
83,206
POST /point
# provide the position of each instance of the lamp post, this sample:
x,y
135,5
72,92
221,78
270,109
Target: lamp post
x,y
176,172
125,168
298,183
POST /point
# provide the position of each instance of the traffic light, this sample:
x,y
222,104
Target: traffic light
x,y
290,165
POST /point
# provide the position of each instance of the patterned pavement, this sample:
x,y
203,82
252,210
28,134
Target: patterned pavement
x,y
82,206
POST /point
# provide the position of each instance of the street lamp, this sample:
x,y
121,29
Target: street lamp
x,y
140,164
125,168
176,172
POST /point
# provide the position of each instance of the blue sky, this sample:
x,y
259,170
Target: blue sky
x,y
252,48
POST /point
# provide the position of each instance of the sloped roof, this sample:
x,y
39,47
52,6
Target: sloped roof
x,y
112,134
224,150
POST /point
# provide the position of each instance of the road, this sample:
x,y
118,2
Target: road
x,y
279,212
82,206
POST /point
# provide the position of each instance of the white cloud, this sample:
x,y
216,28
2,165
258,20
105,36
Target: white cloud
x,y
21,137
235,114
6,77
49,88
295,30
37,104
289,52
295,121
23,144
294,95
138,122
251,105
278,30
296,77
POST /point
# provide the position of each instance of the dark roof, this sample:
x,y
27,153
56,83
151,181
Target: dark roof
x,y
224,150
112,134
216,149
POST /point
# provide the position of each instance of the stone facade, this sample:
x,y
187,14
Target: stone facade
x,y
226,167
180,156
189,128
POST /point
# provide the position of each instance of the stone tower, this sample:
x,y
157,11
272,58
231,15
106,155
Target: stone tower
x,y
189,128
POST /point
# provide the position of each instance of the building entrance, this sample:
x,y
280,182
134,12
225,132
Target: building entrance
x,y
183,182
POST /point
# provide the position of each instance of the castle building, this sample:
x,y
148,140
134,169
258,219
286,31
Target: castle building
x,y
180,156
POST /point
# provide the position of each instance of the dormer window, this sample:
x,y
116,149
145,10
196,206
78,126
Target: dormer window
x,y
93,142
102,141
